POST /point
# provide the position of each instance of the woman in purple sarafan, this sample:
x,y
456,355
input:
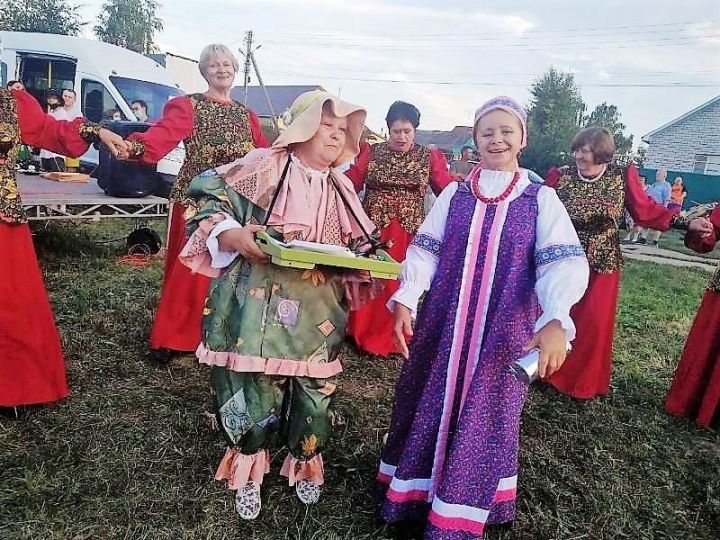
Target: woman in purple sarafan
x,y
494,252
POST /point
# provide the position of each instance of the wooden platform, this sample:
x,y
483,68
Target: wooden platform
x,y
48,200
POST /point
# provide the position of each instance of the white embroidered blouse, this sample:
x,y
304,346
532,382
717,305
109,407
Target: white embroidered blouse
x,y
562,269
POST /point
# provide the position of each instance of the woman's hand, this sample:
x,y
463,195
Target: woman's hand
x,y
553,348
402,330
702,226
116,144
242,240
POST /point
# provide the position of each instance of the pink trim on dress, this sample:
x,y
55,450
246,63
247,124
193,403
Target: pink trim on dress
x,y
486,287
468,277
294,469
195,254
270,366
456,523
505,496
238,468
405,496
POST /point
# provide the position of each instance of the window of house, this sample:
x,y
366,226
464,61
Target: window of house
x,y
707,164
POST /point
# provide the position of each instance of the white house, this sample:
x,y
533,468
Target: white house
x,y
688,144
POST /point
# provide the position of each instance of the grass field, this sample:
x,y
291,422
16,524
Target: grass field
x,y
129,454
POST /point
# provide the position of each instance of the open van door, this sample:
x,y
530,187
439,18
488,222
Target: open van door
x,y
41,72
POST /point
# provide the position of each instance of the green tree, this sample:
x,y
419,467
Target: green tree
x,y
45,16
608,117
640,155
554,117
129,23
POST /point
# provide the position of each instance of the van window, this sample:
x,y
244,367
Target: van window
x,y
3,73
155,95
40,73
96,99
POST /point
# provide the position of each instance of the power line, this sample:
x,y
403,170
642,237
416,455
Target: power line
x,y
517,47
474,83
523,39
564,30
476,36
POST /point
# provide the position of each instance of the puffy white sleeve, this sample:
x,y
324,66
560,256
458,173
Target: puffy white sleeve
x,y
422,254
562,268
219,258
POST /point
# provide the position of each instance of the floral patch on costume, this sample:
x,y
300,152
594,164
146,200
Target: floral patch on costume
x,y
309,444
287,312
234,416
316,276
326,328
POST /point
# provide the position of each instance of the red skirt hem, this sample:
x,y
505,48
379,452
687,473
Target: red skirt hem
x,y
695,389
586,371
32,367
371,327
178,319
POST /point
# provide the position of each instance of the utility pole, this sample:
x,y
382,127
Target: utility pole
x,y
273,116
247,53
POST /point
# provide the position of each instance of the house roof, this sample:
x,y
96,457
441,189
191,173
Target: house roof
x,y
280,96
444,140
716,99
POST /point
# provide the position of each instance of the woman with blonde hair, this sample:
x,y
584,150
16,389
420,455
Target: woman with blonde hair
x,y
215,129
272,334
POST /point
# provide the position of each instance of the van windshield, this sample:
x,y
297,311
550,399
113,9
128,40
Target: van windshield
x,y
153,94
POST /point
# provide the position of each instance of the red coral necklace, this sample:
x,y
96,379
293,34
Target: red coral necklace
x,y
475,185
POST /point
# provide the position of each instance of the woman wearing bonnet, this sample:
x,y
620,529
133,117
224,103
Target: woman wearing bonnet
x,y
272,335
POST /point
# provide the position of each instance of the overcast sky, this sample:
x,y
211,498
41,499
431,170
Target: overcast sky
x,y
655,60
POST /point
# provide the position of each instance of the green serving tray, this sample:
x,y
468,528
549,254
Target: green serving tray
x,y
384,267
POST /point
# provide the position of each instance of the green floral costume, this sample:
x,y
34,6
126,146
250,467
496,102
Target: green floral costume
x,y
271,334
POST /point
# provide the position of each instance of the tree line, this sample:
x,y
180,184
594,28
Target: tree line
x,y
555,114
127,23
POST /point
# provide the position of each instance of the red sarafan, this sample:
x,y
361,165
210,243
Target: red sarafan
x,y
695,390
395,176
596,203
215,132
32,367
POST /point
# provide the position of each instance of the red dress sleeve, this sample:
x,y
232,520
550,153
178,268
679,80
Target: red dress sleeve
x,y
38,128
357,172
177,122
258,136
552,177
440,176
643,209
705,245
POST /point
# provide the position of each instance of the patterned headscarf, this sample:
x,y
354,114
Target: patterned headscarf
x,y
506,104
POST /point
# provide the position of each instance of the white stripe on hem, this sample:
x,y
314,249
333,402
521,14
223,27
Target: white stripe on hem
x,y
459,511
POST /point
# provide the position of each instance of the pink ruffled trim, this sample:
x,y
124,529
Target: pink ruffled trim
x,y
270,366
195,254
238,468
360,289
313,469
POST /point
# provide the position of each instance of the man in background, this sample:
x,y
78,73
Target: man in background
x,y
462,167
660,193
140,110
50,161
